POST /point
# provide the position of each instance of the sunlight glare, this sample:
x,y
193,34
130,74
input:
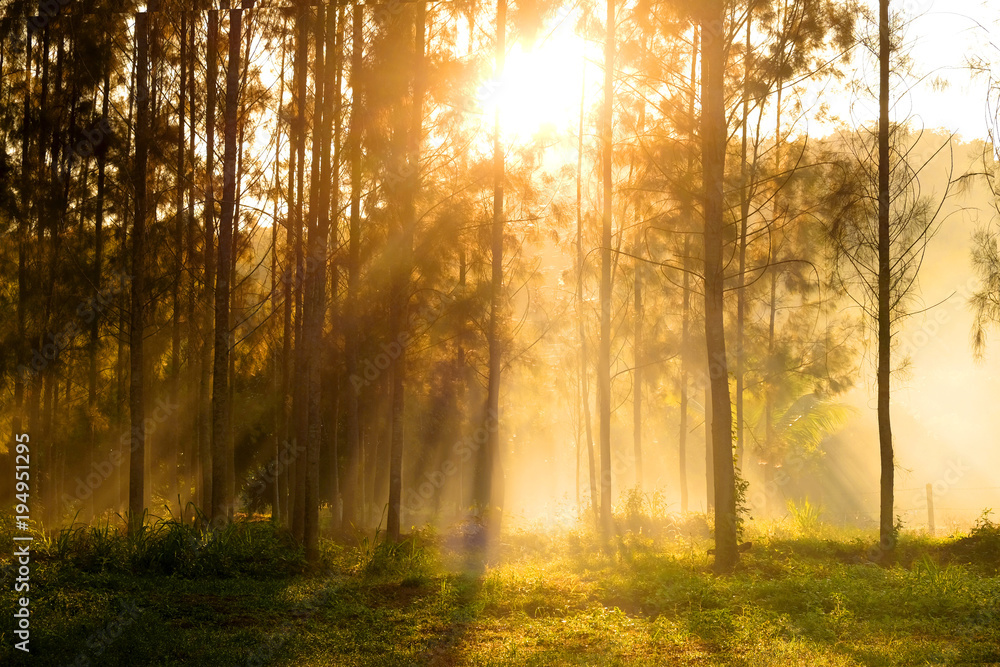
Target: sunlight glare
x,y
540,87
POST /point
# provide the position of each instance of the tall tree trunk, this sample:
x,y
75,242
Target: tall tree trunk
x,y
310,306
280,358
403,269
316,280
351,492
770,445
713,134
332,384
638,267
299,412
886,528
489,474
685,346
744,223
174,477
604,354
686,296
136,385
288,275
222,454
637,371
23,230
709,453
94,346
580,265
208,332
191,450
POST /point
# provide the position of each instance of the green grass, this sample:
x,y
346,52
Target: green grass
x,y
649,598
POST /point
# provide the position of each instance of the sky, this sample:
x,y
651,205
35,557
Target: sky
x,y
945,34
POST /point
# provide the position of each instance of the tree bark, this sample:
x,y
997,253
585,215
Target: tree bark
x,y
580,265
686,298
136,385
489,473
887,536
93,374
351,491
222,454
713,129
744,223
23,230
316,281
604,353
174,477
208,334
403,268
300,412
191,450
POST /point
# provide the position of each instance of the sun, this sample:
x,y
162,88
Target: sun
x,y
540,88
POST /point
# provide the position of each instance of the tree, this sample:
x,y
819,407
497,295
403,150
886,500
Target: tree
x,y
205,417
351,307
713,137
137,408
581,321
327,67
878,263
222,455
489,474
402,268
604,352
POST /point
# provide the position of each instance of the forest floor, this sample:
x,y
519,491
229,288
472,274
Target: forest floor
x,y
648,597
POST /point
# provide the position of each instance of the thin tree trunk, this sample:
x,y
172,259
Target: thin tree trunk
x,y
336,325
685,346
191,450
299,412
744,223
174,477
638,268
686,298
887,531
604,353
94,347
770,445
403,269
222,455
489,475
23,230
713,124
208,331
136,385
351,492
316,280
580,263
288,331
280,366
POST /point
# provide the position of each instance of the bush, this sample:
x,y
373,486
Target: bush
x,y
981,546
170,547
